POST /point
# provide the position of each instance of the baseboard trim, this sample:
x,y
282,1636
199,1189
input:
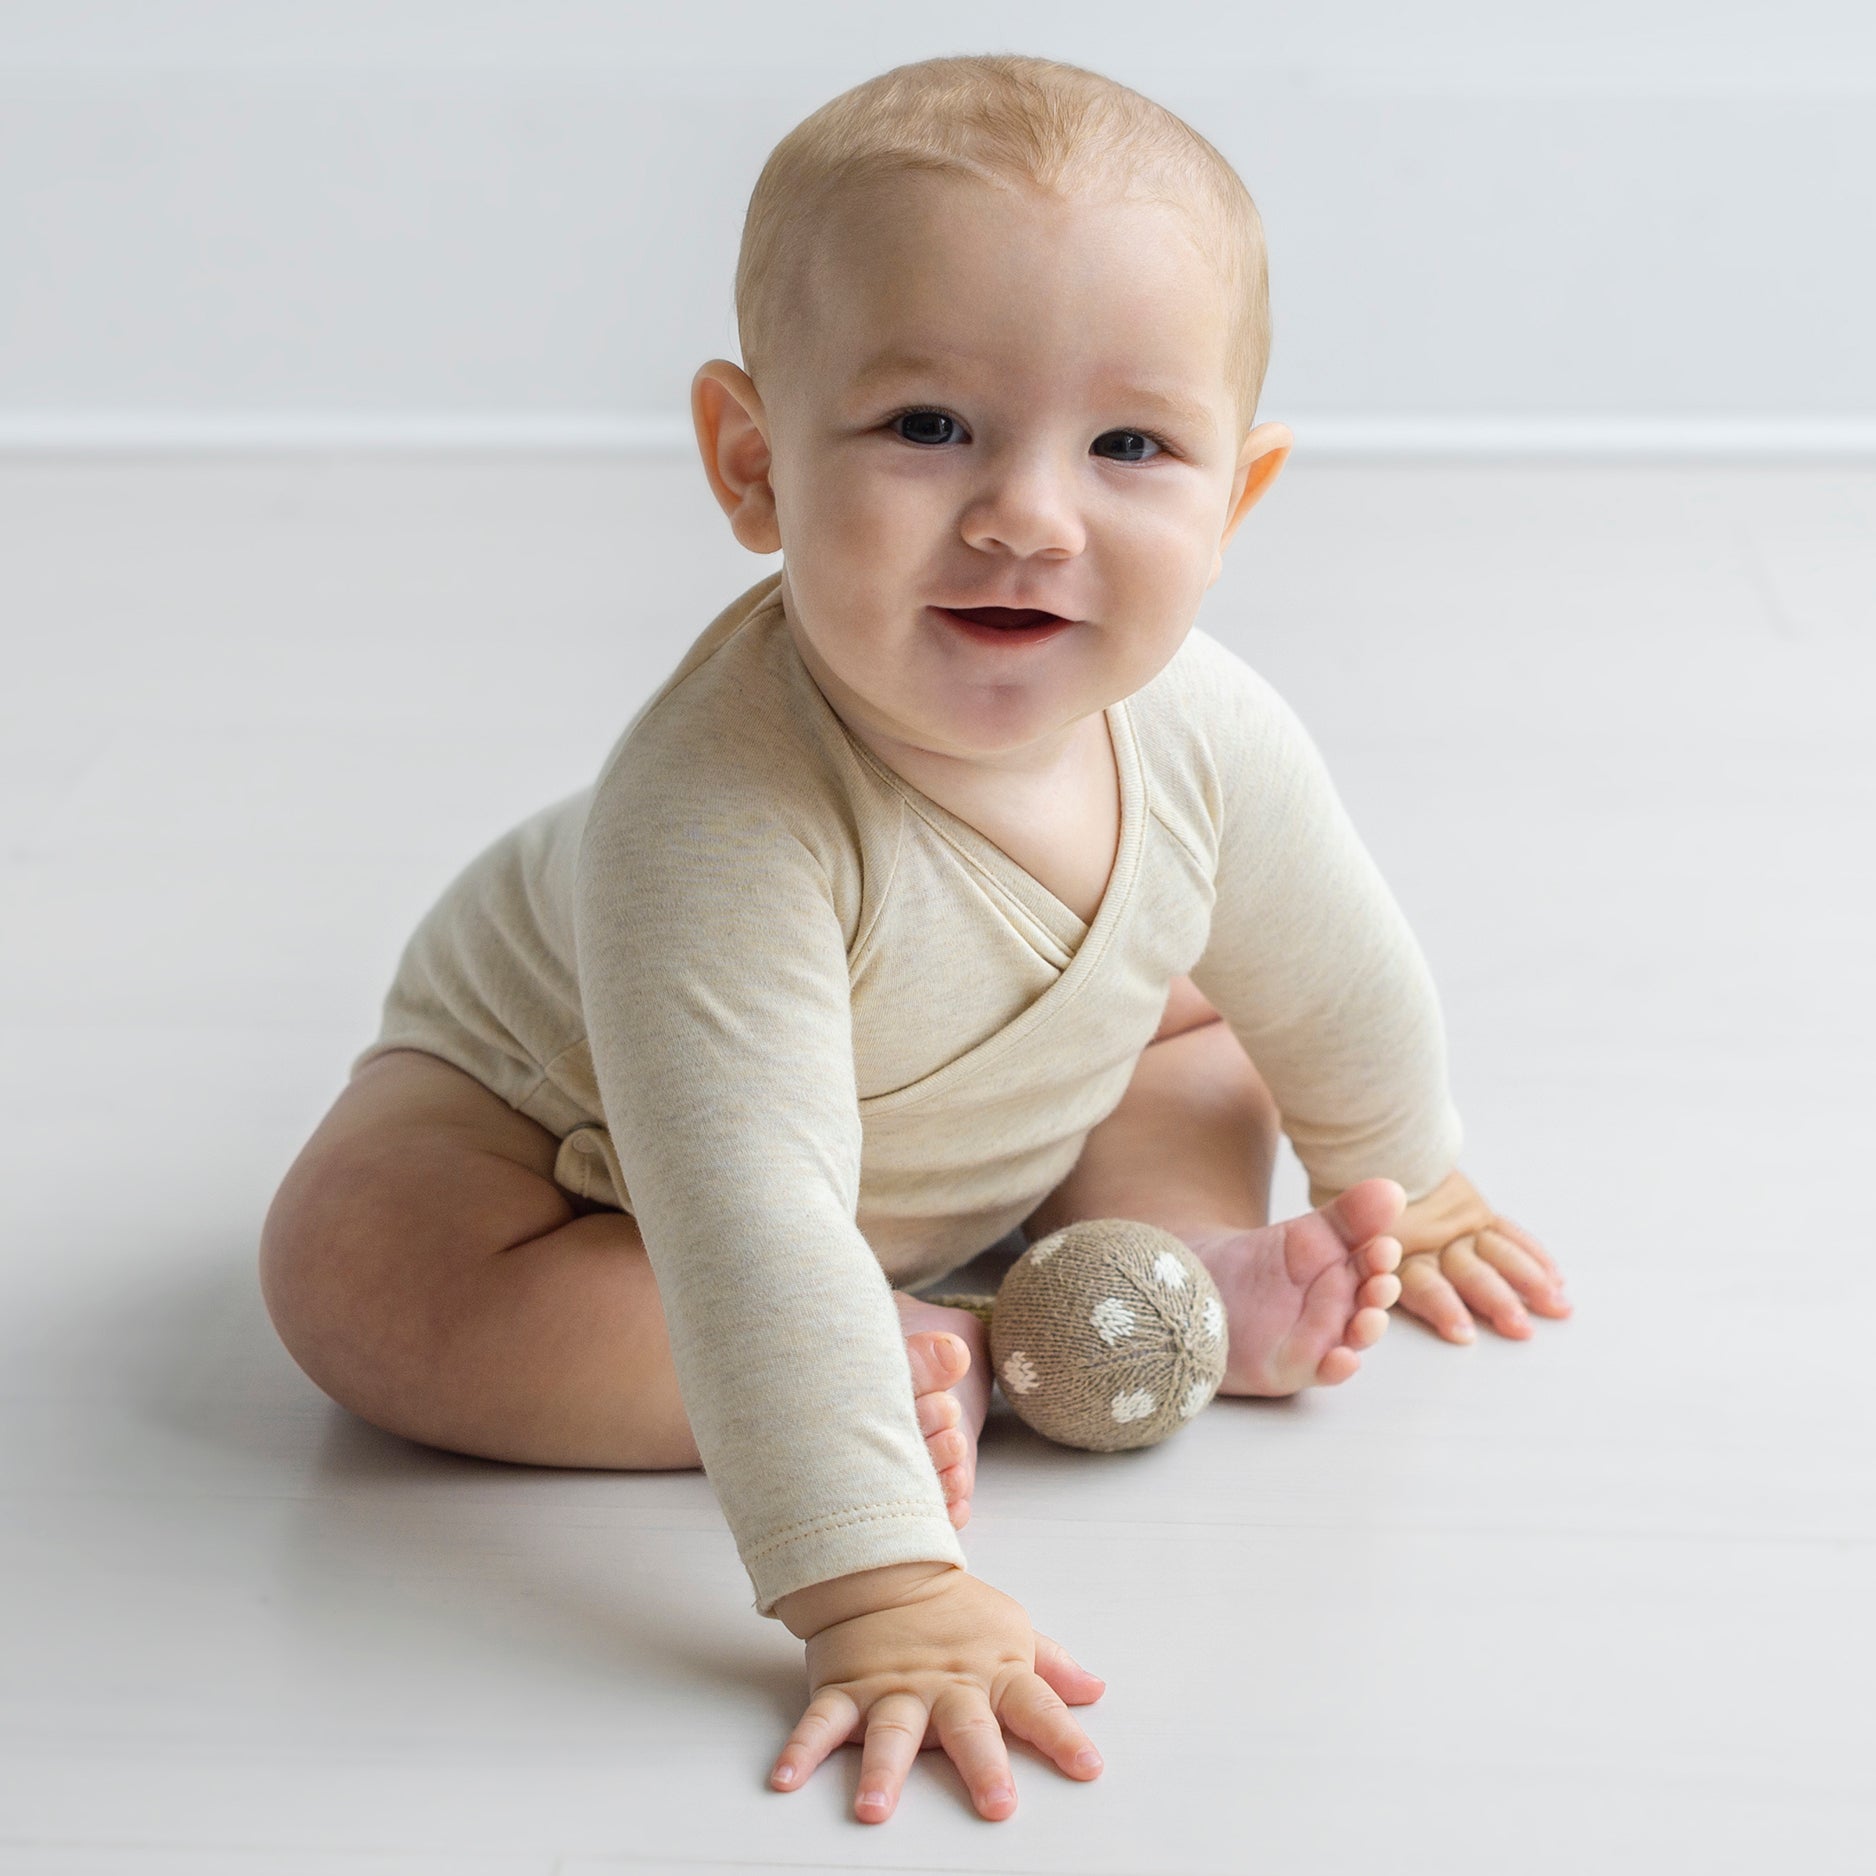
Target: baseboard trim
x,y
1319,438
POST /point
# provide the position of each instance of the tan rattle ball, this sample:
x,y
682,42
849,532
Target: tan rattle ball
x,y
1106,1335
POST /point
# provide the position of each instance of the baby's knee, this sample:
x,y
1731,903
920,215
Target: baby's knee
x,y
325,1253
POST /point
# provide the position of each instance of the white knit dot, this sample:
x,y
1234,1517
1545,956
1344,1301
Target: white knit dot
x,y
1196,1397
1134,1406
1170,1271
1019,1373
1112,1319
1041,1253
1213,1317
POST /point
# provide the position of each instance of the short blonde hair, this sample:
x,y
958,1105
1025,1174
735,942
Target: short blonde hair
x,y
1000,118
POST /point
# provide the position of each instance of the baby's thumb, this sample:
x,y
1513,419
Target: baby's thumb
x,y
1065,1674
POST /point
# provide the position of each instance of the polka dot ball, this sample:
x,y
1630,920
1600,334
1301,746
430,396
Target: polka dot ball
x,y
1108,1334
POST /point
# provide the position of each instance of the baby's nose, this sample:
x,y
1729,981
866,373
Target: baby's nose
x,y
1028,507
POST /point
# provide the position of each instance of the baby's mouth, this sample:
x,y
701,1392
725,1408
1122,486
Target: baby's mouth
x,y
1004,616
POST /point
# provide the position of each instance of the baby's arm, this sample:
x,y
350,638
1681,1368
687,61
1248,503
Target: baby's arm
x,y
1313,964
713,970
713,975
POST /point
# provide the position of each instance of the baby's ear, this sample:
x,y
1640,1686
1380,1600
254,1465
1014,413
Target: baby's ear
x,y
1261,456
732,437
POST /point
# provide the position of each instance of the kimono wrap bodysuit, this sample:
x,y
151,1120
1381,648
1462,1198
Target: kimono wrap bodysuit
x,y
823,1039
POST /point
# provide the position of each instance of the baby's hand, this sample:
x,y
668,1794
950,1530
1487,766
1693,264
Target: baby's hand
x,y
1456,1250
940,1660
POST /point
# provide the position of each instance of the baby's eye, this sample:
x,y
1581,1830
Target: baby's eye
x,y
917,426
1136,444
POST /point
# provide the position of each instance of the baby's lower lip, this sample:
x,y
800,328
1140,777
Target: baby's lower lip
x,y
1003,625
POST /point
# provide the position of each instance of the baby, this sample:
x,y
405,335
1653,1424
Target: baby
x,y
954,882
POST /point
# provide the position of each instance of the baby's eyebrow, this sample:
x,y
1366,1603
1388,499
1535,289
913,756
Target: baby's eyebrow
x,y
884,367
1181,409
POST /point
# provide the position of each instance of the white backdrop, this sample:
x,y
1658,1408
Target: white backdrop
x,y
1605,224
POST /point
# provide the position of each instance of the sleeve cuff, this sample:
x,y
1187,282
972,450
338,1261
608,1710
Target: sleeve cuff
x,y
1417,1175
905,1531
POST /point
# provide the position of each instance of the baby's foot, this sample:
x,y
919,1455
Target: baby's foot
x,y
950,1356
1301,1297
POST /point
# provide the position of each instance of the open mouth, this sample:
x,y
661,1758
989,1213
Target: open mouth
x,y
1005,618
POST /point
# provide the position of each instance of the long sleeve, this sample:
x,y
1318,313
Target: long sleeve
x,y
1313,965
713,970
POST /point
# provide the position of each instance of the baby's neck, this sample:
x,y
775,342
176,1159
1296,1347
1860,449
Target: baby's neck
x,y
1062,828
1027,780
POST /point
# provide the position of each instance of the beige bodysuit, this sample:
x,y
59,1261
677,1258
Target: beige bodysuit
x,y
823,1038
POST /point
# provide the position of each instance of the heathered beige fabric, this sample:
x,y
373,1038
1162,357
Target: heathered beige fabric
x,y
824,1039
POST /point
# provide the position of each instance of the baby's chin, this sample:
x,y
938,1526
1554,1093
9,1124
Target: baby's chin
x,y
1024,736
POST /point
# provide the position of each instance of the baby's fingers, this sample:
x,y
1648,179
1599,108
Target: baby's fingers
x,y
828,1722
895,1730
1510,1228
1524,1273
1033,1710
968,1730
1424,1292
1488,1293
1065,1674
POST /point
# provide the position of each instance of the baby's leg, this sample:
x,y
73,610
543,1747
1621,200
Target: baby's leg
x,y
422,1267
1190,1148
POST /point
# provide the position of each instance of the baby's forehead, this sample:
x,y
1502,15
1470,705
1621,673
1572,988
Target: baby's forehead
x,y
848,221
1172,328
887,260
938,342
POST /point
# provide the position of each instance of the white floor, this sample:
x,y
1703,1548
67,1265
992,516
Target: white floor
x,y
1602,1601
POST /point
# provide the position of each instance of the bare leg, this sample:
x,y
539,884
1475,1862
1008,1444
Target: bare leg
x,y
1192,1144
1190,1148
424,1270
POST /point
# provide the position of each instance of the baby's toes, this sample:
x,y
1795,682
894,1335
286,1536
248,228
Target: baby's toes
x,y
938,1359
1365,1328
1336,1366
937,1412
956,1481
948,1449
1379,1256
961,1472
953,1452
1379,1292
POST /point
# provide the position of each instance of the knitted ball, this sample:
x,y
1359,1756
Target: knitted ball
x,y
1108,1334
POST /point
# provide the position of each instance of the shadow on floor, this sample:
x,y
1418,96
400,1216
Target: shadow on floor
x,y
601,1576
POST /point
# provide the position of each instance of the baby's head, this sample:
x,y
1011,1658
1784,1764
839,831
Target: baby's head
x,y
1005,324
